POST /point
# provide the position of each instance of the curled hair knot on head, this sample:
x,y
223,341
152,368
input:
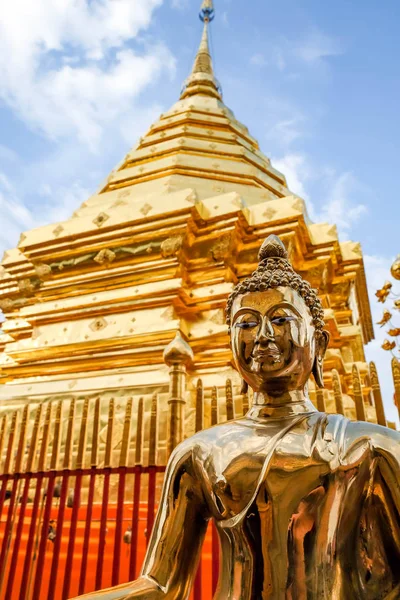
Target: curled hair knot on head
x,y
275,270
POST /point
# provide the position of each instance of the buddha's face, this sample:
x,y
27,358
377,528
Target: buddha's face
x,y
273,340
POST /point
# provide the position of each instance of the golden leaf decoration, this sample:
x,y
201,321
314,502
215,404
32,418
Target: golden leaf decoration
x,y
388,345
382,294
385,318
394,332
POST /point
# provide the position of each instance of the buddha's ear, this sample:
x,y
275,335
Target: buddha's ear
x,y
318,366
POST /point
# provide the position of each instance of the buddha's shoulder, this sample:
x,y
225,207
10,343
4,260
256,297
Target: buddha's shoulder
x,y
235,432
222,433
352,440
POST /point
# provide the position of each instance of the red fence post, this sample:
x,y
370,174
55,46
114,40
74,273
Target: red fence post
x,y
86,539
72,536
135,525
103,530
43,538
18,535
31,538
58,539
7,530
5,480
151,502
118,527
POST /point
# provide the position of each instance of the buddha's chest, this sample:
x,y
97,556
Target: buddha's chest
x,y
279,479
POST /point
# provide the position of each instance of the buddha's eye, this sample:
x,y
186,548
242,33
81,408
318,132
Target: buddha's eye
x,y
282,320
246,324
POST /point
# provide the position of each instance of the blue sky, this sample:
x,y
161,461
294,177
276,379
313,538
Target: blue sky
x,y
317,83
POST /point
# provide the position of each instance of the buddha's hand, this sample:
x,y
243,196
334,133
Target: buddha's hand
x,y
141,589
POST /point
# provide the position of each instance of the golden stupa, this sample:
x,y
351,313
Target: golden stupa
x,y
91,303
116,316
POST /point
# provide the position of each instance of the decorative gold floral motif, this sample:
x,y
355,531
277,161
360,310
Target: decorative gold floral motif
x,y
269,213
105,256
28,286
118,203
101,219
220,249
171,246
42,270
146,208
58,230
6,304
98,324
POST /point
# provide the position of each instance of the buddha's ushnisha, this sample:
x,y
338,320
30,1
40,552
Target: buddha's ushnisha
x,y
306,504
274,270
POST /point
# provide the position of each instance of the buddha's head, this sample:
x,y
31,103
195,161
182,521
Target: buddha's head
x,y
276,325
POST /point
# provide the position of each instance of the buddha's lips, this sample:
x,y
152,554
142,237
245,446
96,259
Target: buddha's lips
x,y
264,353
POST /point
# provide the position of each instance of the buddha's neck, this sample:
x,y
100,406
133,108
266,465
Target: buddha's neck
x,y
288,404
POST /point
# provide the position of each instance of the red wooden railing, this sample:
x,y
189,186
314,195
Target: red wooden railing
x,y
71,521
89,549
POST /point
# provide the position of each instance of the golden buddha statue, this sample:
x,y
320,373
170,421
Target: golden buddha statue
x,y
306,504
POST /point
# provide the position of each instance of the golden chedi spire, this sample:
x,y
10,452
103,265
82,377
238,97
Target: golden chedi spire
x,y
202,79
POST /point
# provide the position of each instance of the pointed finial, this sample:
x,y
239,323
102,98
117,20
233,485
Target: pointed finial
x,y
178,351
202,80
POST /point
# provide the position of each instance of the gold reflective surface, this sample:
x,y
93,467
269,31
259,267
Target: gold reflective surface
x,y
306,504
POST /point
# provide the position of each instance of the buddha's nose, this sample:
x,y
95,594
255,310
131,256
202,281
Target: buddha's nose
x,y
266,332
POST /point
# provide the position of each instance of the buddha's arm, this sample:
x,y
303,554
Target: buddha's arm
x,y
385,446
178,533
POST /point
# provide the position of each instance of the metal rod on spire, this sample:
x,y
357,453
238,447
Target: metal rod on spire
x,y
202,79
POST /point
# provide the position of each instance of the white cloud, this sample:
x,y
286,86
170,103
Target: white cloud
x,y
7,153
275,58
15,217
279,59
311,50
296,169
336,206
59,203
65,81
180,4
316,46
285,122
288,130
225,18
258,60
